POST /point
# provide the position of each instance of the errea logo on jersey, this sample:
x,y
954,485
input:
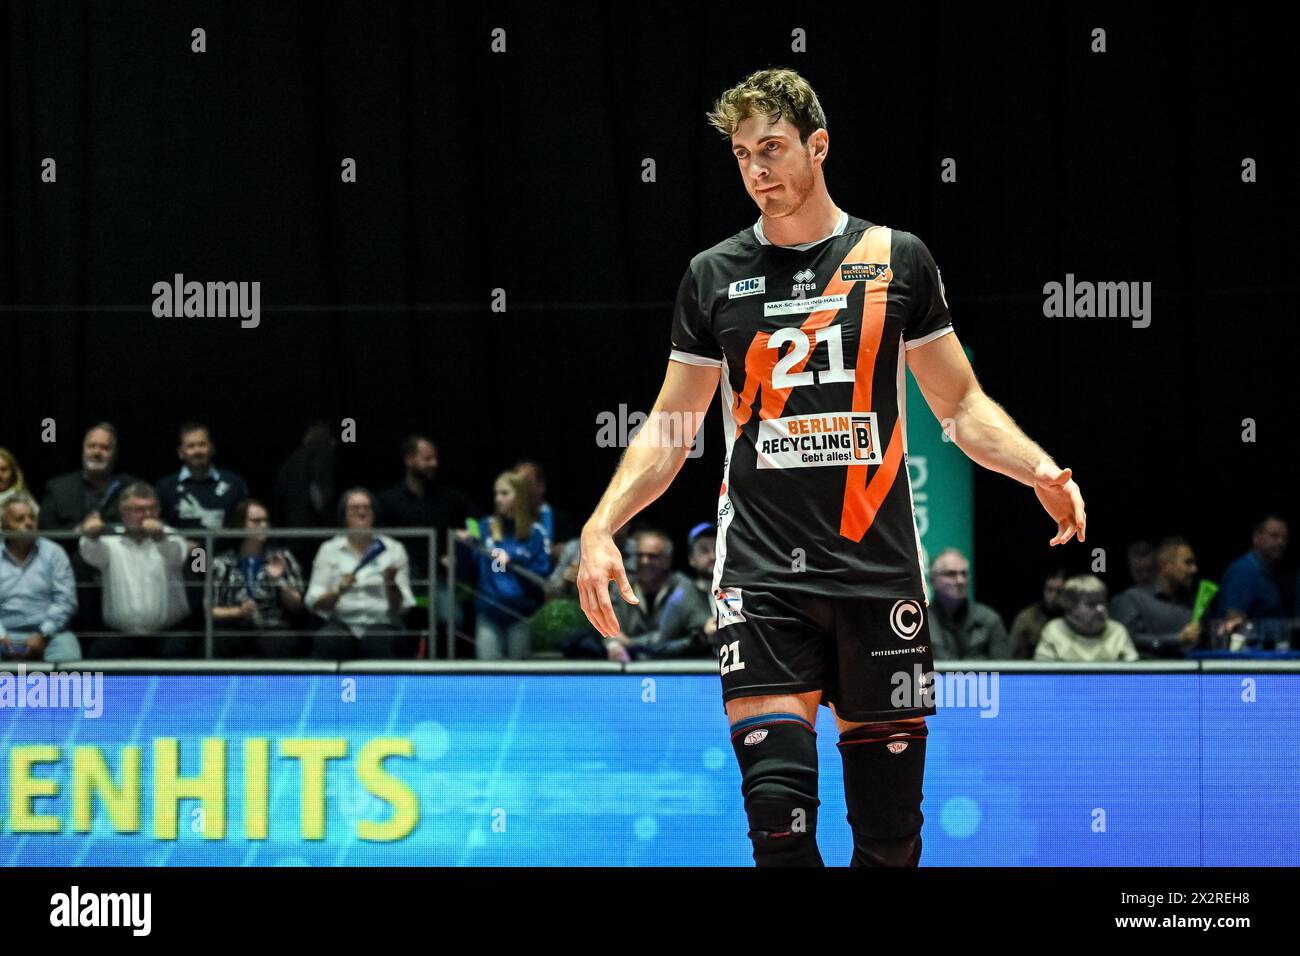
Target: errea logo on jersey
x,y
803,282
743,287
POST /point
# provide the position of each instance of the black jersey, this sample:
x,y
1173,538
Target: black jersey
x,y
812,340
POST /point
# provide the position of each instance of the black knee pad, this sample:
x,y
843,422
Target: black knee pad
x,y
778,766
884,764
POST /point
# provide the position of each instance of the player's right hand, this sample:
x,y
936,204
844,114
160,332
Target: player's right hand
x,y
601,563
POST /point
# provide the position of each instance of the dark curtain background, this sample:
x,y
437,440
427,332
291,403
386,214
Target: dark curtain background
x,y
522,171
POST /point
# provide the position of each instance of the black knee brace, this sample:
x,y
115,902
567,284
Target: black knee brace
x,y
778,766
884,764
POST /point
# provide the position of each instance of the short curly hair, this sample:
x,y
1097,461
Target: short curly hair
x,y
776,92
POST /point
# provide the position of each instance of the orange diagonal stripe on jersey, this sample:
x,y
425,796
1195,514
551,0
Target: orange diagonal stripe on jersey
x,y
862,500
761,360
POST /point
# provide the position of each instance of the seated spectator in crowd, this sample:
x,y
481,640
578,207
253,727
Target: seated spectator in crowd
x,y
669,616
11,476
306,494
550,518
1159,618
1251,587
1029,623
961,628
703,541
38,593
1142,564
423,500
144,590
360,583
503,599
563,582
94,490
198,496
1085,633
256,588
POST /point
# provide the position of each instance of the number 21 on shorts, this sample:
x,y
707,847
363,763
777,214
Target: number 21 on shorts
x,y
731,651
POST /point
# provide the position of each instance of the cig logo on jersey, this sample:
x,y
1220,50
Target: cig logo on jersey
x,y
811,441
743,287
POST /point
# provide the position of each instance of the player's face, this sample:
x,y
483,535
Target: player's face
x,y
196,450
97,450
6,474
776,167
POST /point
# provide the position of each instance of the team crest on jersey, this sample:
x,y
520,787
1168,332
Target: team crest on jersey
x,y
743,287
866,272
730,602
812,441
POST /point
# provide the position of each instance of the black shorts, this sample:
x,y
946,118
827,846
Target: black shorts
x,y
870,657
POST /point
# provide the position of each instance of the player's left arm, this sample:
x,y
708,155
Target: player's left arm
x,y
989,437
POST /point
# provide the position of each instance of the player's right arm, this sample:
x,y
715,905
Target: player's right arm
x,y
648,467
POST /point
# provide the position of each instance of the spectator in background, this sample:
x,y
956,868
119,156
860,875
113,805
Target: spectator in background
x,y
513,538
550,518
703,541
11,476
961,628
1085,633
38,593
421,500
1142,564
256,588
1029,623
1159,618
1250,587
360,584
669,616
94,490
198,496
306,488
144,591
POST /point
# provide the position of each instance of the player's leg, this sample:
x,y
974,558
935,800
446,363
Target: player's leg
x,y
772,660
776,748
881,700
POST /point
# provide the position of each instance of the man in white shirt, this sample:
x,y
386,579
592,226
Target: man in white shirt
x,y
360,583
144,591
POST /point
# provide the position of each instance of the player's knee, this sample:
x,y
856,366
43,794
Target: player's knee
x,y
777,754
884,766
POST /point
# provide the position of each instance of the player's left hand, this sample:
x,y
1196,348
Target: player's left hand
x,y
1061,498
